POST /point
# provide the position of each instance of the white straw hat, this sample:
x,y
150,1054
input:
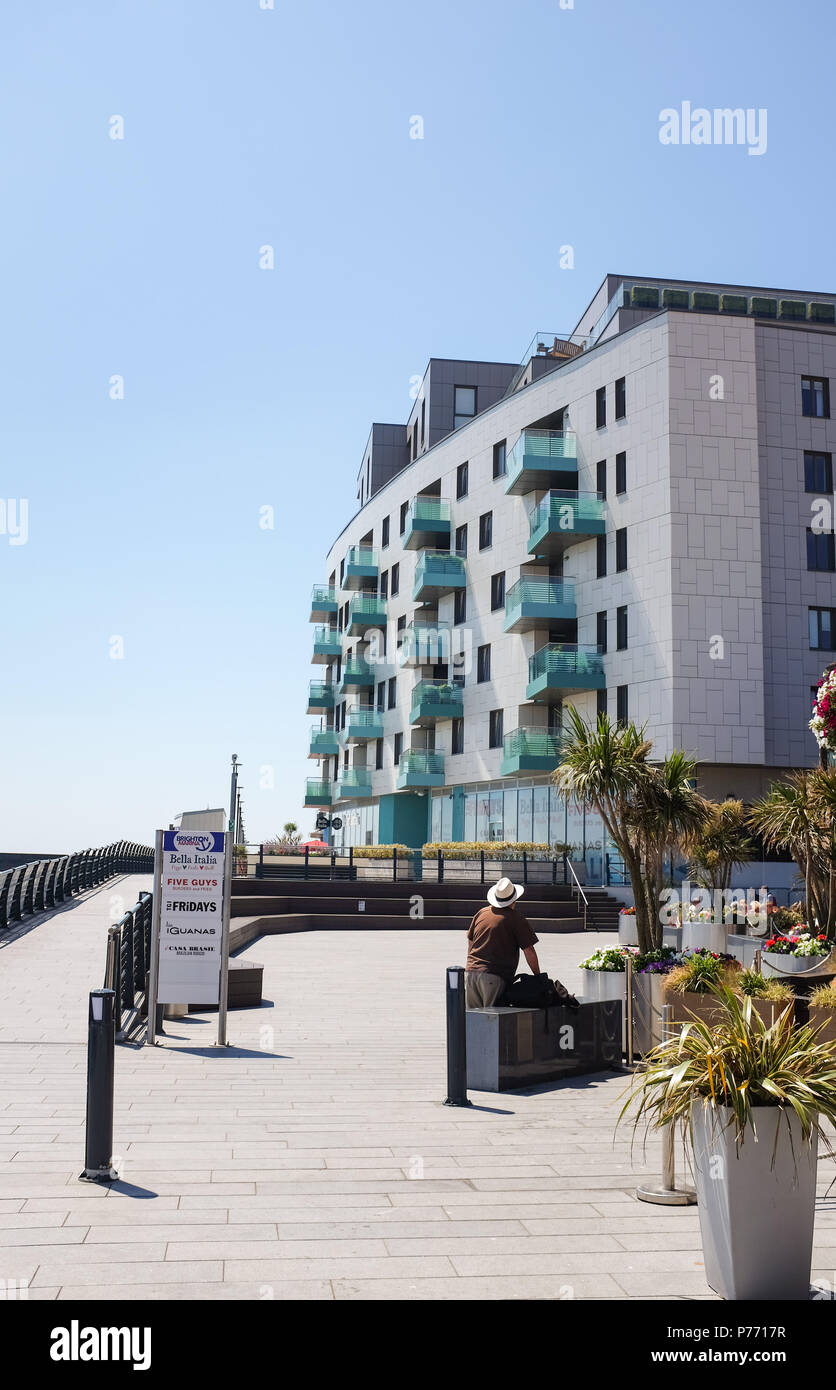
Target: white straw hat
x,y
504,893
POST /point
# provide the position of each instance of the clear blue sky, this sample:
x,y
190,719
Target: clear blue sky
x,y
290,127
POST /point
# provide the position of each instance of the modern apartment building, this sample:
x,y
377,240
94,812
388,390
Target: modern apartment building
x,y
637,518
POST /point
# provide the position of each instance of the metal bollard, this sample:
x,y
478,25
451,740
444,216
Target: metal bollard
x,y
628,1004
667,1194
456,1037
101,1042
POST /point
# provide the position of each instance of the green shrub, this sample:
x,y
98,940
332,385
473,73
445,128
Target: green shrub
x,y
704,299
675,299
493,849
734,304
644,297
822,313
764,308
792,308
756,986
701,974
823,998
379,851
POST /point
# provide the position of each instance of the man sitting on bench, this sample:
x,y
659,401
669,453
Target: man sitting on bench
x,y
495,938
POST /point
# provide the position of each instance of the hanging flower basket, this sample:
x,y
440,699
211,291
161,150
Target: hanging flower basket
x,y
823,722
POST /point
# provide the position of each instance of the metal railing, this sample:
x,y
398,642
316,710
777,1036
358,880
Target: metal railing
x,y
565,659
569,511
42,884
129,960
577,890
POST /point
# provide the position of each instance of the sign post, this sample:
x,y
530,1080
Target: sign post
x,y
223,999
154,966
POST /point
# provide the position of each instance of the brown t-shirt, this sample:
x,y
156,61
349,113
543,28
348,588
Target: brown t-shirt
x,y
495,939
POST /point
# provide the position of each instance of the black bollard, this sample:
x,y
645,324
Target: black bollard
x,y
456,1037
101,1040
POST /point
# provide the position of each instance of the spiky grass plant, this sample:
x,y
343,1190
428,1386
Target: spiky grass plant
x,y
739,1064
823,998
701,974
756,986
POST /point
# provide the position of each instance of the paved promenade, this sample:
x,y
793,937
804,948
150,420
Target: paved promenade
x,y
314,1158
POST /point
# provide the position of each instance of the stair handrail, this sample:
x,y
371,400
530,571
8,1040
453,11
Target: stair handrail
x,y
580,892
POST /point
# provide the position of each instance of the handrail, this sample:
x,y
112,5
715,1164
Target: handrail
x,y
581,893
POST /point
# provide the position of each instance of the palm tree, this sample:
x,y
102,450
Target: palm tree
x,y
290,833
797,815
722,846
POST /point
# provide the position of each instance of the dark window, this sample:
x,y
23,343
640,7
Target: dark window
x,y
342,570
815,397
464,405
378,752
818,472
497,591
396,579
621,629
345,758
485,530
381,696
384,584
393,691
384,532
499,459
601,555
621,707
335,768
401,630
820,550
601,476
495,723
461,480
457,745
822,629
404,510
423,418
460,606
601,702
601,631
398,748
621,398
483,663
461,539
620,473
621,549
600,407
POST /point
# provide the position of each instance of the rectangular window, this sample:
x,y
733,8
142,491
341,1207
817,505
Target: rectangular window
x,y
820,550
601,555
485,530
457,739
818,472
342,571
378,753
461,480
497,591
423,420
499,459
404,510
600,407
460,606
381,696
601,631
822,629
398,748
483,663
495,723
620,473
384,584
401,630
621,549
815,397
384,533
621,398
601,702
622,713
621,629
396,579
464,405
461,539
393,691
601,477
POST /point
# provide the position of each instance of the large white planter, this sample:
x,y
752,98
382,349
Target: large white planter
x,y
600,985
628,932
706,936
774,963
756,1215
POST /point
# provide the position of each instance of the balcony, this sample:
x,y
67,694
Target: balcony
x,y
363,724
432,700
357,675
563,519
354,782
530,750
318,792
438,572
327,645
365,611
420,767
321,695
538,602
427,523
426,644
324,743
541,458
360,567
323,603
562,668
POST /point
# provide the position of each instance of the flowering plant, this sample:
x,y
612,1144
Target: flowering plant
x,y
608,958
800,943
628,912
823,722
658,962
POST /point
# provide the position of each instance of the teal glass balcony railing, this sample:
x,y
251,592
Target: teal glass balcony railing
x,y
327,645
540,458
438,572
530,750
427,644
324,603
321,696
324,743
357,675
537,602
354,782
365,611
427,523
420,767
563,519
363,724
561,667
361,565
432,700
318,792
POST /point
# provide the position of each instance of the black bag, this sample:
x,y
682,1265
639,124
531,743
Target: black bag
x,y
536,992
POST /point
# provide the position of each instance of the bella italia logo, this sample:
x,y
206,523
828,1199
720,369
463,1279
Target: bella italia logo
x,y
722,126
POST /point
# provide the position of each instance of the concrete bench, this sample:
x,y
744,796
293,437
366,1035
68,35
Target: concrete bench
x,y
511,1048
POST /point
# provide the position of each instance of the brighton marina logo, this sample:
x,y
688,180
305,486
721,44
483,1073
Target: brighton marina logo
x,y
201,842
696,125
